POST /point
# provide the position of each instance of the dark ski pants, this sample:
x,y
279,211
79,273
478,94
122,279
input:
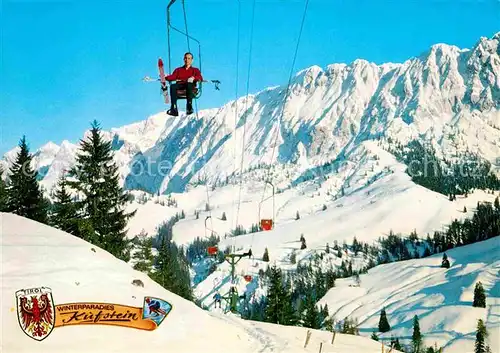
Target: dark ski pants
x,y
188,86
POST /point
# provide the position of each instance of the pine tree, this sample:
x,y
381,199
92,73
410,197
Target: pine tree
x,y
24,196
303,242
254,228
350,326
397,345
265,257
297,216
328,324
319,284
481,335
416,337
330,278
144,258
172,270
288,313
356,247
103,204
324,312
311,313
3,193
479,296
64,211
374,336
223,218
383,324
427,252
445,263
275,297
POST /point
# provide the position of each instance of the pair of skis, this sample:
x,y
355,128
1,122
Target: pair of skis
x,y
163,81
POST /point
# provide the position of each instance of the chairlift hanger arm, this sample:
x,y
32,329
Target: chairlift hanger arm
x,y
169,25
187,35
212,232
272,196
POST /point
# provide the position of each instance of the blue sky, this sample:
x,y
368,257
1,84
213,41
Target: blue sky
x,y
67,62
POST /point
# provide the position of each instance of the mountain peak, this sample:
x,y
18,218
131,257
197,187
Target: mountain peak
x,y
66,144
360,62
445,48
49,147
311,69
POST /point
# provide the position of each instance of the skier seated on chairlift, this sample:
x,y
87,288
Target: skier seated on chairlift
x,y
186,77
217,298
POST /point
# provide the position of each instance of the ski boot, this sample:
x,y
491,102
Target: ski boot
x,y
173,111
189,108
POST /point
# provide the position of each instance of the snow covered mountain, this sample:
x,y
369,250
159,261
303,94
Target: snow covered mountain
x,y
35,255
447,95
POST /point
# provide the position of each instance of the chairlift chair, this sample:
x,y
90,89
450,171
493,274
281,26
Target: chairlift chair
x,y
266,223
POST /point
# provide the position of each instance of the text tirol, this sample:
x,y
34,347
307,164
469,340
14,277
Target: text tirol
x,y
101,314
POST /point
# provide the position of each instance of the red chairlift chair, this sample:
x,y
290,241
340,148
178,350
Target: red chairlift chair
x,y
266,223
212,250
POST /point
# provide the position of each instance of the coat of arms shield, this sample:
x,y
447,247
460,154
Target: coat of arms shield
x,y
36,312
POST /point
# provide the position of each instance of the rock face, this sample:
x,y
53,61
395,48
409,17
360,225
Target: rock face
x,y
447,95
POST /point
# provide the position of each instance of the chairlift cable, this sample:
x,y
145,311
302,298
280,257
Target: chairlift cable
x,y
186,25
280,117
245,115
235,223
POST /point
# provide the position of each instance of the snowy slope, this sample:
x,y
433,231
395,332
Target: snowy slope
x,y
34,255
367,210
441,298
392,202
446,95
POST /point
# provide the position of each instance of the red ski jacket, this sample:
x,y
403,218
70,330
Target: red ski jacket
x,y
181,73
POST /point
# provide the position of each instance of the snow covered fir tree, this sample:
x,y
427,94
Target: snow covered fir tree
x,y
23,195
355,202
101,201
